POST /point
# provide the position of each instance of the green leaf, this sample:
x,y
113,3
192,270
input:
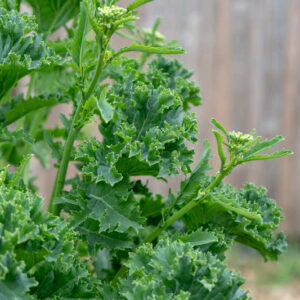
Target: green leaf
x,y
135,4
170,73
38,254
52,14
199,238
79,38
105,109
222,155
14,136
247,215
18,107
104,215
146,135
150,50
190,187
22,50
14,282
219,126
176,270
259,147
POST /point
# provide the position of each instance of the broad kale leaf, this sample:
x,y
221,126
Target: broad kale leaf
x,y
18,107
146,134
175,270
105,216
52,14
248,215
22,50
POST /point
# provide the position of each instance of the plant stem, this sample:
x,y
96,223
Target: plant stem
x,y
74,129
180,213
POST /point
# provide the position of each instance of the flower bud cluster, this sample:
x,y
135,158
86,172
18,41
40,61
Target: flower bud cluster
x,y
238,141
110,18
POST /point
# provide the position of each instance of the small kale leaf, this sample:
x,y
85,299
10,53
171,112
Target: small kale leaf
x,y
22,49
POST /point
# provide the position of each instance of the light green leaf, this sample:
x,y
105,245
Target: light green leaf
x,y
137,3
262,146
79,38
276,154
222,155
106,110
150,50
219,126
199,238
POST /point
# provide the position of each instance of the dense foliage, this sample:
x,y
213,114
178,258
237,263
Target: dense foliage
x,y
105,234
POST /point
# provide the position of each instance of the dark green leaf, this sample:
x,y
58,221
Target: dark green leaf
x,y
18,107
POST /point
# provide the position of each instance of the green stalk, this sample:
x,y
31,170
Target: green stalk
x,y
184,210
74,130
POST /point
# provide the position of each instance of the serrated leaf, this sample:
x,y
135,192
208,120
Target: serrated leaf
x,y
14,136
38,256
171,73
52,14
14,283
22,50
19,107
248,215
262,146
176,270
106,207
146,135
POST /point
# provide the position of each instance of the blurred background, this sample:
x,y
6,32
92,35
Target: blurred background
x,y
246,58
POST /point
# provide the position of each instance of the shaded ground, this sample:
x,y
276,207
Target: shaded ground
x,y
268,281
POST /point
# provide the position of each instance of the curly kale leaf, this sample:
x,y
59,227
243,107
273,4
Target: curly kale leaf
x,y
171,74
175,270
38,253
147,132
22,50
52,14
105,216
248,215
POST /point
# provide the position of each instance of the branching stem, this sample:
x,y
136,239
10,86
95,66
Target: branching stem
x,y
74,130
180,213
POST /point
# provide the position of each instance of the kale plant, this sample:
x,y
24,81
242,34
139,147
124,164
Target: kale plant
x,y
105,234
